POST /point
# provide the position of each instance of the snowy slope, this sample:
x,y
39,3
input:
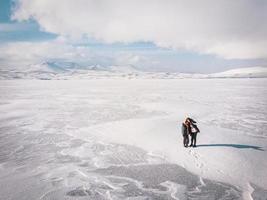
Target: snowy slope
x,y
250,72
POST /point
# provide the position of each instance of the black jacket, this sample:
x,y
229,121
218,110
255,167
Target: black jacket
x,y
192,121
185,130
196,128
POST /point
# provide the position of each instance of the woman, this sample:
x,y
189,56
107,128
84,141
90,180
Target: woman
x,y
193,133
186,131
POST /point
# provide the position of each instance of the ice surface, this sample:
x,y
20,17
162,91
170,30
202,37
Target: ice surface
x,y
118,139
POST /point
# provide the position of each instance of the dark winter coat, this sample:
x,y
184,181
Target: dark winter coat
x,y
184,130
192,121
195,127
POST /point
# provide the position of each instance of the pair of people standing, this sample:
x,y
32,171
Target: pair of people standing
x,y
189,128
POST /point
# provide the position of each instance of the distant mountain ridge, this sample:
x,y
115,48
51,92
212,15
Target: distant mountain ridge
x,y
248,72
72,70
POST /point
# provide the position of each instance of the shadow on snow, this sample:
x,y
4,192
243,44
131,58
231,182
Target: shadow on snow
x,y
238,146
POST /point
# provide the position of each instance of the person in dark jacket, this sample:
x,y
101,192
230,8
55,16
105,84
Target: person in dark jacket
x,y
186,131
194,131
191,120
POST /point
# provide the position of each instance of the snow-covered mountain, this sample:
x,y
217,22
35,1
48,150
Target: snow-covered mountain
x,y
251,72
72,66
65,70
72,70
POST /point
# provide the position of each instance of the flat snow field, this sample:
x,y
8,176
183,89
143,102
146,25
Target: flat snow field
x,y
121,139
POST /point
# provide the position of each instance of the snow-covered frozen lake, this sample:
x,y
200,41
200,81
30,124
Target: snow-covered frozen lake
x,y
119,139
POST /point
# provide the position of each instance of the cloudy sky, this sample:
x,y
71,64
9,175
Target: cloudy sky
x,y
163,35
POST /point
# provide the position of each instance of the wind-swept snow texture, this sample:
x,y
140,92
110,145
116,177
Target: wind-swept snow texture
x,y
120,139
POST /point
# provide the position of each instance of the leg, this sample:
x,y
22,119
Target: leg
x,y
185,140
192,139
195,139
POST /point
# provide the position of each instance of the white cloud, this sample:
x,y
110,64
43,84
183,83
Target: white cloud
x,y
21,55
31,50
227,28
127,59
